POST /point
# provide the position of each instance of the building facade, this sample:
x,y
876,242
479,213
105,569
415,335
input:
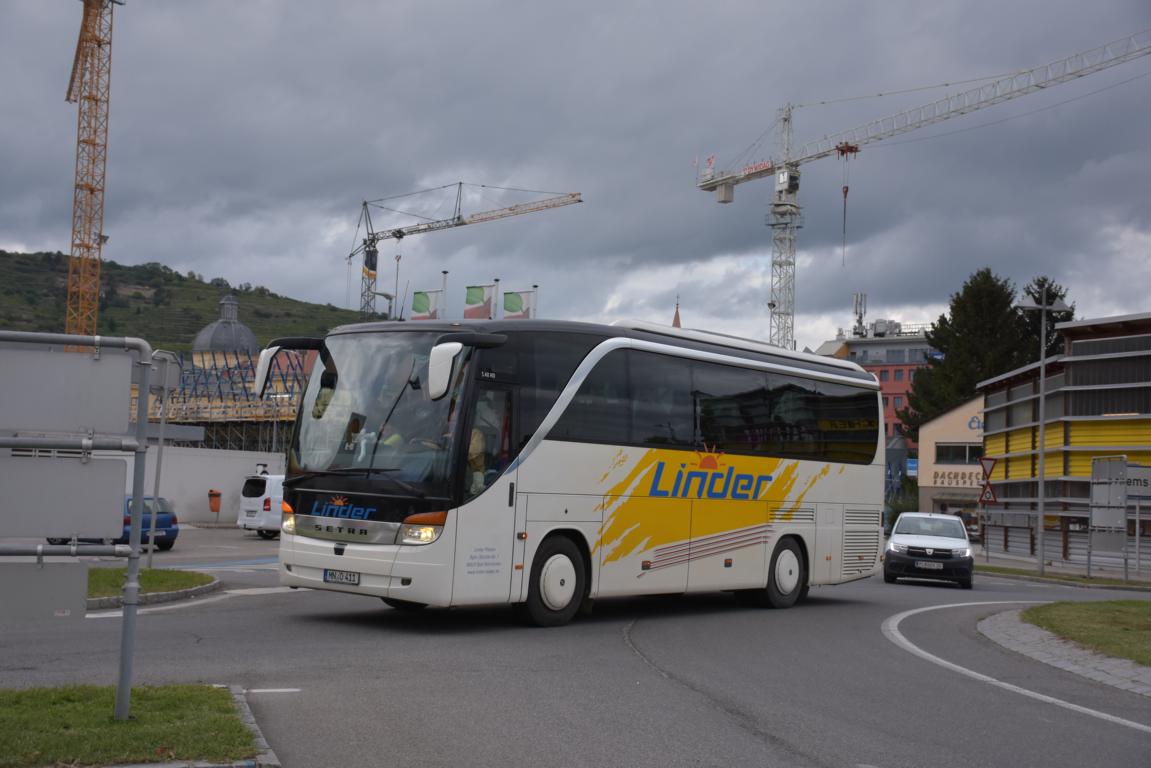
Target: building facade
x,y
950,476
1097,403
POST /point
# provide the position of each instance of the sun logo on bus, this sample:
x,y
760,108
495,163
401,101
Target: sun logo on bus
x,y
709,458
338,501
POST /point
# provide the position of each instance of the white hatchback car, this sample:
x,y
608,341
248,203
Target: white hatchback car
x,y
260,502
928,545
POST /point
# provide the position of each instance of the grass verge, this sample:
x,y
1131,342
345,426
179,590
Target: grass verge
x,y
1067,577
1120,628
109,582
74,725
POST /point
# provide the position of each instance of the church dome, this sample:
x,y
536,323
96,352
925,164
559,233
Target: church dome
x,y
227,334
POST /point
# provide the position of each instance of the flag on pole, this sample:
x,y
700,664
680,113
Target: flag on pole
x,y
426,305
519,305
478,302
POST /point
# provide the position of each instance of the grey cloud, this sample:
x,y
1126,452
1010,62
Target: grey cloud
x,y
242,134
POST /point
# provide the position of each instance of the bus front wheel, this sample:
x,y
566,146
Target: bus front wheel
x,y
558,582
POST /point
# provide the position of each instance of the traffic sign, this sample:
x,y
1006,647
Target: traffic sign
x,y
988,495
988,464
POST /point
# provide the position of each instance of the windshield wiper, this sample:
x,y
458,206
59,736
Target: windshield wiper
x,y
290,481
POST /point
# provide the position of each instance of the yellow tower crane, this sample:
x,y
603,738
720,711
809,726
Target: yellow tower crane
x,y
89,87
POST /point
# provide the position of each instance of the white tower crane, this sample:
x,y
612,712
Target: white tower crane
x,y
785,211
368,247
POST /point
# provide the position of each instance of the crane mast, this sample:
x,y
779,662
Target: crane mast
x,y
786,214
370,250
89,86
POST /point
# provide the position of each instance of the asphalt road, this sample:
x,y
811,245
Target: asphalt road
x,y
337,680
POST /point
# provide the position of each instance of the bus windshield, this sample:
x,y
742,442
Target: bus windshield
x,y
366,408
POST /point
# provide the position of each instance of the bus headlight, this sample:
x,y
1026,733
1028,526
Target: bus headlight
x,y
288,519
423,528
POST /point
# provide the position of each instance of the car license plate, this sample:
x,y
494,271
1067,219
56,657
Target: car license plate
x,y
332,576
927,565
250,513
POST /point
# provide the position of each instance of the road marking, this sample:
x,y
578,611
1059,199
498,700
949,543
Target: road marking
x,y
259,591
273,690
891,631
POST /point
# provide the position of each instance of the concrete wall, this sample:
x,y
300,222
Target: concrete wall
x,y
189,473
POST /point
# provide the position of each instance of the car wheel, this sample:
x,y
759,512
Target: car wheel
x,y
888,578
164,546
58,541
558,582
965,583
268,535
403,605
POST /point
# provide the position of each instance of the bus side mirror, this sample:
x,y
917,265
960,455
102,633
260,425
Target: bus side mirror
x,y
440,364
263,367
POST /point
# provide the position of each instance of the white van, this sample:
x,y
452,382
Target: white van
x,y
260,501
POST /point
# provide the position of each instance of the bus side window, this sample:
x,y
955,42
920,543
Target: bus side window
x,y
600,411
661,405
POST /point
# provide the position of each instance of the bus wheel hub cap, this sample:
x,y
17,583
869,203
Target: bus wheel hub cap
x,y
557,582
786,572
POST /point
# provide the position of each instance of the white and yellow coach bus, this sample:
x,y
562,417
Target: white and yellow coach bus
x,y
549,464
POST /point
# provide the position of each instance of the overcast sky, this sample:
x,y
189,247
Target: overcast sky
x,y
245,134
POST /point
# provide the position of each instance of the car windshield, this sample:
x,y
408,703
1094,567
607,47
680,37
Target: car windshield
x,y
366,407
949,527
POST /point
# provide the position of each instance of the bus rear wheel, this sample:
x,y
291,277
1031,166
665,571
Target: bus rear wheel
x,y
558,583
786,579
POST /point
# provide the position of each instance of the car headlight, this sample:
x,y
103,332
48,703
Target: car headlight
x,y
965,552
893,547
422,528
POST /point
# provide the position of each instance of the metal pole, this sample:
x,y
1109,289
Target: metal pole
x,y
132,582
1039,501
1138,564
159,460
1089,537
535,302
443,308
397,293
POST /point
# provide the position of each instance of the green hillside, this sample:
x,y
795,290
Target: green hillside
x,y
151,301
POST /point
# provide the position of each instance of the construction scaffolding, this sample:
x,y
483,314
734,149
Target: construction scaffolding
x,y
216,393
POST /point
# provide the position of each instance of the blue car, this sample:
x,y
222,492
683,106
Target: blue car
x,y
167,527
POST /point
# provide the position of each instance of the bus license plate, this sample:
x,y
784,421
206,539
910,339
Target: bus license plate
x,y
332,576
927,565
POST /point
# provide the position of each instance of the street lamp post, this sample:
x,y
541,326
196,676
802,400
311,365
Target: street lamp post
x,y
1040,489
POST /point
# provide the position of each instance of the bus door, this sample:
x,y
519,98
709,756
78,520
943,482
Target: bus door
x,y
485,531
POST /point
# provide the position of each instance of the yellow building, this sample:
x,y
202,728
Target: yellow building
x,y
1098,403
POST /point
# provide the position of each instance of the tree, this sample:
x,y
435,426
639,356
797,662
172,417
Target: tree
x,y
1032,318
983,336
